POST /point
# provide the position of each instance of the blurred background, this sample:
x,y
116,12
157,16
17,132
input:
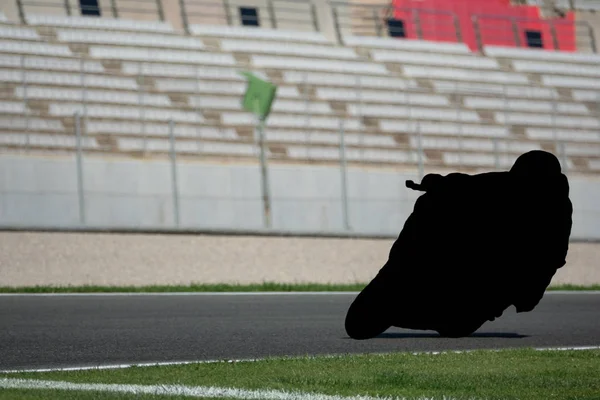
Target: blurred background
x,y
127,115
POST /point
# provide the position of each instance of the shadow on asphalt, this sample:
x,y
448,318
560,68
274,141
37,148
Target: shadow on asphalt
x,y
406,335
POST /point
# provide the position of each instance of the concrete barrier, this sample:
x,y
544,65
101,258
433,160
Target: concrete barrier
x,y
62,259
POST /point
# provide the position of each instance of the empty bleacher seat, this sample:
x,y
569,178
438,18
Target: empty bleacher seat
x,y
124,112
415,45
375,110
516,118
478,160
442,128
31,123
494,103
449,60
306,64
15,139
298,136
68,79
345,80
105,23
352,154
185,71
279,105
535,54
453,143
18,32
163,145
583,150
40,48
570,82
587,95
464,74
545,67
457,87
91,96
129,39
13,107
562,134
215,87
149,55
282,48
380,96
241,32
49,141
236,149
50,63
594,165
159,129
292,121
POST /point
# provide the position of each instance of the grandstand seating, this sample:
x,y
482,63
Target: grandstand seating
x,y
128,79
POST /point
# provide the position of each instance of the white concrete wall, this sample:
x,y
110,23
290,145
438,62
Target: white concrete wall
x,y
42,192
129,194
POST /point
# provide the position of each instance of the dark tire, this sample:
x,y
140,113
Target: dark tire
x,y
369,314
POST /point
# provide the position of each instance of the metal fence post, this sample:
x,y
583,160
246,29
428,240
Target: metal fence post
x,y
264,173
460,127
184,17
21,12
308,116
496,155
142,109
159,10
315,18
555,42
419,151
336,24
477,30
592,38
344,182
198,128
598,110
361,137
83,91
515,29
417,21
457,29
80,187
25,103
506,110
173,156
272,16
113,6
227,12
553,119
378,27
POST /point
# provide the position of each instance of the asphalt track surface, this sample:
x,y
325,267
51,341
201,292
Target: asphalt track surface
x,y
76,331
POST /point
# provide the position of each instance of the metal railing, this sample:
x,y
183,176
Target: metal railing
x,y
512,31
124,9
348,19
411,23
349,150
273,14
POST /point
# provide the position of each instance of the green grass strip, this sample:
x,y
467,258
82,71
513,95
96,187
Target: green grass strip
x,y
263,287
524,374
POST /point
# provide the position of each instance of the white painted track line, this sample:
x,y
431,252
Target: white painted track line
x,y
324,293
156,364
176,390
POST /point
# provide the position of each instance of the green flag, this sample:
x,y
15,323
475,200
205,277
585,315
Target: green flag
x,y
259,95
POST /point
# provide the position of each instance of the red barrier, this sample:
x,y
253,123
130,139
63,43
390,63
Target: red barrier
x,y
484,22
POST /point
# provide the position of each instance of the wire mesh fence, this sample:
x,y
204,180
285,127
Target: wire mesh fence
x,y
338,145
